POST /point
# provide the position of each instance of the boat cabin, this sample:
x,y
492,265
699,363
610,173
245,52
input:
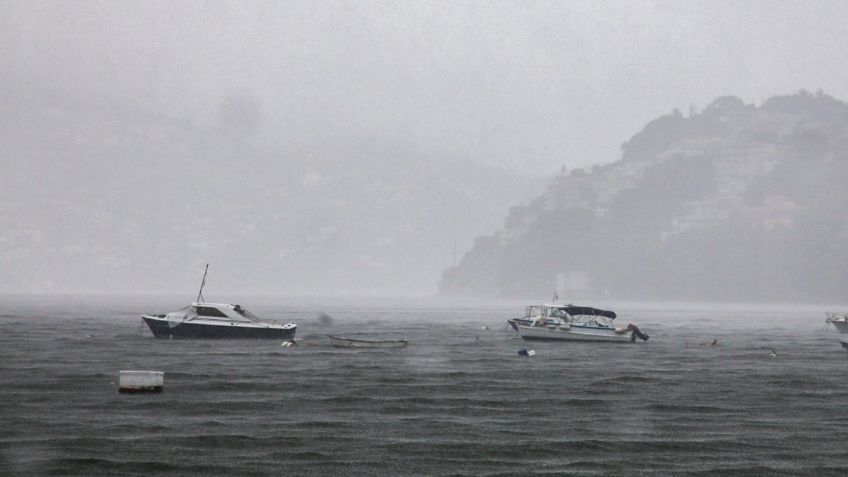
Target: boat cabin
x,y
224,312
214,312
571,314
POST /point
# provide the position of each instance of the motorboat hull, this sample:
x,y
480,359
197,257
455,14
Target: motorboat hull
x,y
840,325
516,322
573,333
161,328
339,342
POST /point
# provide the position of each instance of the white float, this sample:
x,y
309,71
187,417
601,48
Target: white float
x,y
141,381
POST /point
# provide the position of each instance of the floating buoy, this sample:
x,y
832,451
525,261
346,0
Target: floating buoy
x,y
526,352
325,319
288,344
141,381
773,354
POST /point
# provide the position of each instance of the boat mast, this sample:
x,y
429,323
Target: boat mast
x,y
200,293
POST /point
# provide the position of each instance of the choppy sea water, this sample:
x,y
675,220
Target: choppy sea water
x,y
458,401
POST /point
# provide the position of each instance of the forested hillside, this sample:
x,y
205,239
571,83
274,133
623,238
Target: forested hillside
x,y
735,202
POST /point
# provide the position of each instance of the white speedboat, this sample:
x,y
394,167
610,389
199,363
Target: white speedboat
x,y
838,320
573,323
216,320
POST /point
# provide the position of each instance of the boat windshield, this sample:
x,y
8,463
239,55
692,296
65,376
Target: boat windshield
x,y
209,311
250,316
557,313
535,310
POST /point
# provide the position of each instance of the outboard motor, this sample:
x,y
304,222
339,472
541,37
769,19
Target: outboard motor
x,y
636,333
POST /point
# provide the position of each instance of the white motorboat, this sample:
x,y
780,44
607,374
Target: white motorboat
x,y
573,323
838,320
216,320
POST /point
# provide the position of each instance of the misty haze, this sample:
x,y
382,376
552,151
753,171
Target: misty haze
x,y
363,149
451,182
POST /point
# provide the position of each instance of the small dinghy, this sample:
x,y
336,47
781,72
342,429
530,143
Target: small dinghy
x,y
339,342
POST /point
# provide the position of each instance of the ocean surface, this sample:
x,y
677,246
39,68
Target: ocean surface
x,y
458,401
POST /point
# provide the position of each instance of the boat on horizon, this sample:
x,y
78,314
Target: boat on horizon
x,y
340,342
573,323
838,320
216,320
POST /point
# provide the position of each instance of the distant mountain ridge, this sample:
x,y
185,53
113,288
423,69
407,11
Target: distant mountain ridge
x,y
109,199
736,202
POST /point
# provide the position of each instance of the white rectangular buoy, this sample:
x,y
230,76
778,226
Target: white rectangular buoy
x,y
141,381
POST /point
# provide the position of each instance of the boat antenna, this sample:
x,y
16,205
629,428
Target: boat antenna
x,y
200,293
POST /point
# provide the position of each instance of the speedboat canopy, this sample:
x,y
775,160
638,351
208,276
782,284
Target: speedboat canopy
x,y
586,310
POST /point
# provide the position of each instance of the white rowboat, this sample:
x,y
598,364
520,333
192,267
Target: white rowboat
x,y
339,342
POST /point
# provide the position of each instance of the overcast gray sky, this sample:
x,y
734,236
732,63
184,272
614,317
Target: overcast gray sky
x,y
522,85
356,146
